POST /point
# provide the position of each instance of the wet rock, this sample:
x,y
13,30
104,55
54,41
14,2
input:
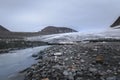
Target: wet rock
x,y
99,59
79,78
92,70
45,79
25,70
66,73
109,71
82,60
58,54
57,67
39,57
34,55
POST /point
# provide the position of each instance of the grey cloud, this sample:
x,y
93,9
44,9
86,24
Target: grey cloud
x,y
29,15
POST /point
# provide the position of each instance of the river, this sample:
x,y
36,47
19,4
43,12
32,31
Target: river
x,y
14,61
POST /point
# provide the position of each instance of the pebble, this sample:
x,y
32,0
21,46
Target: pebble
x,y
112,78
66,73
99,59
93,70
57,54
82,60
45,79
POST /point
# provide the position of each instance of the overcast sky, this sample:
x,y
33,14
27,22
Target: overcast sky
x,y
81,15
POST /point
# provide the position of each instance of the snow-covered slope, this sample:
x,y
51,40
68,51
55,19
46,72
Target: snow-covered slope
x,y
77,36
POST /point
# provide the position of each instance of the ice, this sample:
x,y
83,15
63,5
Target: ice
x,y
77,36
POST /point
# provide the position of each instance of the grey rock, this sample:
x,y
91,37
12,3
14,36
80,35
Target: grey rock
x,y
92,69
112,78
66,73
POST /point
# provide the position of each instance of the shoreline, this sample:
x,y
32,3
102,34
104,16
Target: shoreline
x,y
15,62
3,51
19,76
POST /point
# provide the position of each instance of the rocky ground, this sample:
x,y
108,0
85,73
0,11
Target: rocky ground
x,y
82,61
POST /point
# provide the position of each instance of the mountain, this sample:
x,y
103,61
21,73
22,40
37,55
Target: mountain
x,y
56,30
116,23
4,33
2,29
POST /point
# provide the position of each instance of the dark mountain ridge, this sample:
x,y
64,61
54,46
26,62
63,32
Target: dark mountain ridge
x,y
116,23
56,30
2,29
5,33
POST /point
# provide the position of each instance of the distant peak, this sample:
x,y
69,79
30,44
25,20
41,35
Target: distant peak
x,y
50,27
56,30
116,23
55,27
3,29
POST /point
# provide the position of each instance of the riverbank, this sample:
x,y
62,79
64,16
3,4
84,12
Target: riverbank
x,y
9,45
82,61
19,76
13,62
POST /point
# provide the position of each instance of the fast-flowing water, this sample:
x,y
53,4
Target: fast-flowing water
x,y
13,62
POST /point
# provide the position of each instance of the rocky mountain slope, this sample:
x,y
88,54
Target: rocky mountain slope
x,y
2,29
116,24
56,30
4,33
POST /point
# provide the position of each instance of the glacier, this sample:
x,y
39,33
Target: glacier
x,y
77,36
